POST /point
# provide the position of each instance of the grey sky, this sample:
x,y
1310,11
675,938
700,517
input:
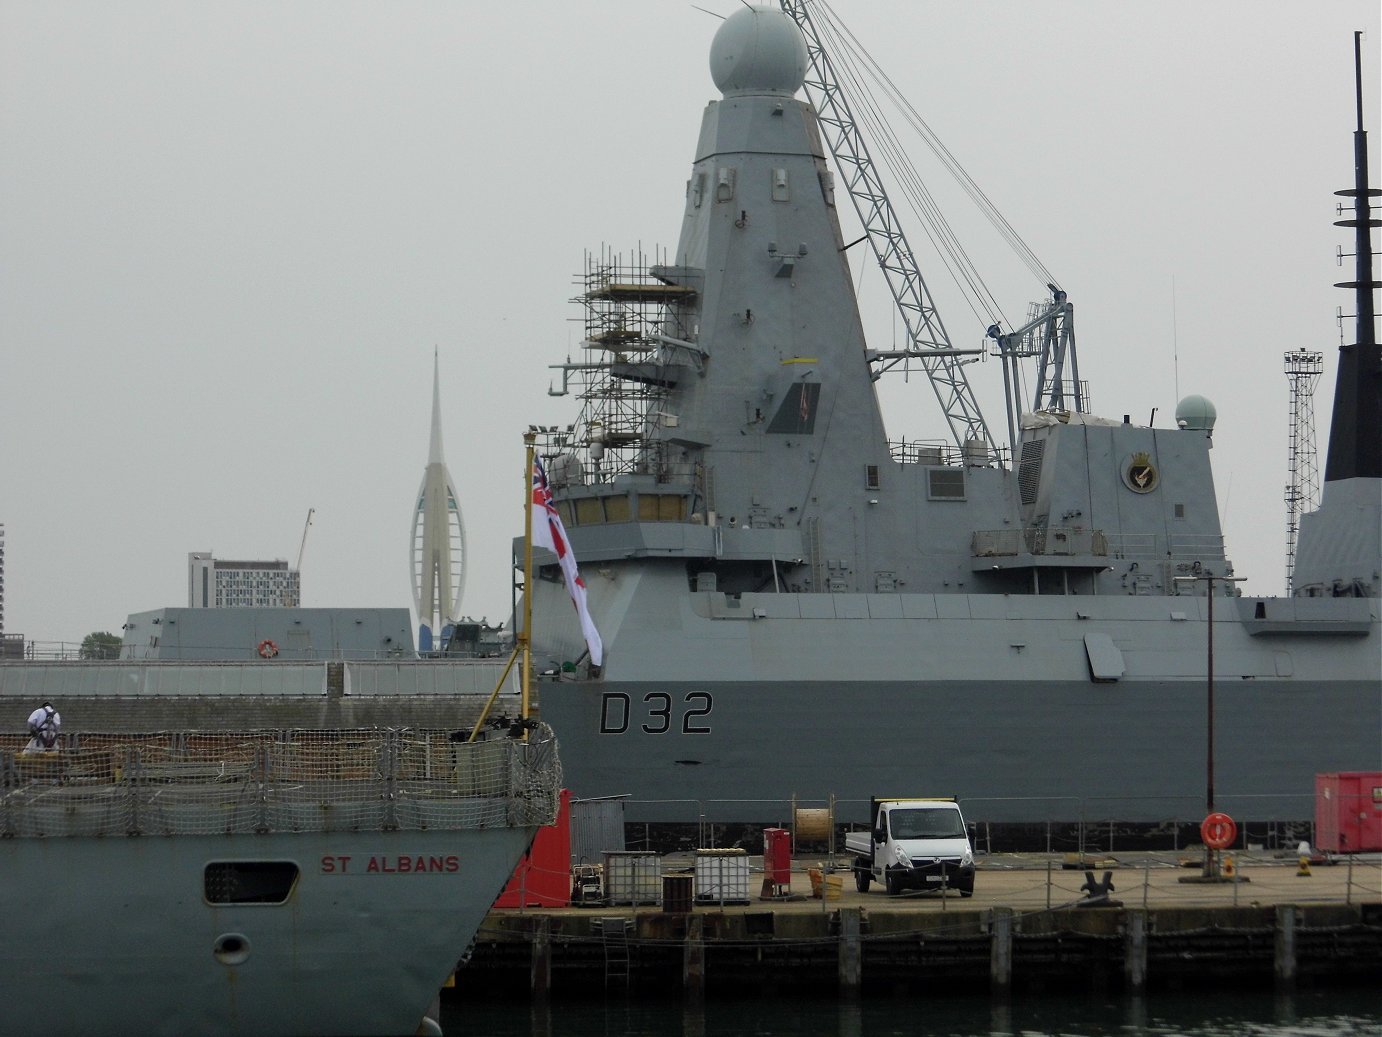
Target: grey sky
x,y
232,234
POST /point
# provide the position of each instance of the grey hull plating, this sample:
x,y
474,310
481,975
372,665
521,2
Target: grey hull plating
x,y
355,953
729,709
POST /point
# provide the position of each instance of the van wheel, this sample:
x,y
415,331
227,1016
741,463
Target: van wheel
x,y
966,892
862,880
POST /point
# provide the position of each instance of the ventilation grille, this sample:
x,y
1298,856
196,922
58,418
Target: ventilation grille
x,y
1029,471
945,483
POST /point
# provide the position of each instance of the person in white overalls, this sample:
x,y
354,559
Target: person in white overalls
x,y
44,724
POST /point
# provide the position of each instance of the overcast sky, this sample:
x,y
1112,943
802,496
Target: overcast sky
x,y
232,234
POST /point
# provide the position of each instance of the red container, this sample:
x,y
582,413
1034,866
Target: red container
x,y
543,876
1348,812
777,856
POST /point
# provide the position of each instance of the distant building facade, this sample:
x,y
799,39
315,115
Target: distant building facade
x,y
215,583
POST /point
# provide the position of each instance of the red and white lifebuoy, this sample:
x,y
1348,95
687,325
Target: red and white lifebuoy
x,y
267,649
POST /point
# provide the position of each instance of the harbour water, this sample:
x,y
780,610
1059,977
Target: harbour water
x,y
1352,1012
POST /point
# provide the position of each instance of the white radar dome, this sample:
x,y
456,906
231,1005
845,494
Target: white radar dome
x,y
1196,412
758,50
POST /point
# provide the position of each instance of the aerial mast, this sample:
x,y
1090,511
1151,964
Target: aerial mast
x,y
1355,448
1303,370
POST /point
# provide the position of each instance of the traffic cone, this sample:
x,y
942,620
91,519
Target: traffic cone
x,y
1303,872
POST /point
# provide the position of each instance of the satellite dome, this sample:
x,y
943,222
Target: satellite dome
x,y
1196,412
758,50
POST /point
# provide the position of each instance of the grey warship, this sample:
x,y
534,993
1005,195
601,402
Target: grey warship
x,y
795,606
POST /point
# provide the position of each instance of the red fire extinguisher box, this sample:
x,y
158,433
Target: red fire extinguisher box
x,y
543,876
1348,812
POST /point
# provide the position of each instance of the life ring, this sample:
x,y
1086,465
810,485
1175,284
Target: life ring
x,y
1218,831
267,649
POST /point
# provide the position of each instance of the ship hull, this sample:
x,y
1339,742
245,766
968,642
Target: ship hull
x,y
1030,708
1031,752
355,949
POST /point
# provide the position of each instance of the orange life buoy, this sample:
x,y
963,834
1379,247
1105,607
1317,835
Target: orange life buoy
x,y
1218,831
267,649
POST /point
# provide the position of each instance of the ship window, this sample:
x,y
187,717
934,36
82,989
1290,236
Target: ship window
x,y
1180,511
589,512
661,507
945,483
568,518
249,882
616,509
870,477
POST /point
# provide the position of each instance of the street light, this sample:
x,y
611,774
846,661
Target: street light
x,y
1209,579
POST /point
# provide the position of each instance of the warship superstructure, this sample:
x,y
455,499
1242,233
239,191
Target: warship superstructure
x,y
794,605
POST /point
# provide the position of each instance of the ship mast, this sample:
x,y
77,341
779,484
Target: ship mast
x,y
1355,445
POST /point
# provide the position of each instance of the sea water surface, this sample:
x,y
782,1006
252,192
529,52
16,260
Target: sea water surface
x,y
1351,1012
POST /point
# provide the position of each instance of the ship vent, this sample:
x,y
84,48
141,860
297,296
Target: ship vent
x,y
945,483
1029,471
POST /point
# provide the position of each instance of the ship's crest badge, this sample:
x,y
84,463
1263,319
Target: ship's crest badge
x,y
1140,474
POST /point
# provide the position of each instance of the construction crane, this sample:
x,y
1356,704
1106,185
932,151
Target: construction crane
x,y
1049,331
303,547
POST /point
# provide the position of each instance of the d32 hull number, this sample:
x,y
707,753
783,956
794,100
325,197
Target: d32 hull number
x,y
656,713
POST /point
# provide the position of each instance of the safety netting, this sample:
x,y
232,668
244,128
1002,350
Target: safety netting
x,y
200,783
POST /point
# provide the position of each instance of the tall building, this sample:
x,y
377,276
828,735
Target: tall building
x,y
438,541
214,583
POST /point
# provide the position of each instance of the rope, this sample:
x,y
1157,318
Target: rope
x,y
854,65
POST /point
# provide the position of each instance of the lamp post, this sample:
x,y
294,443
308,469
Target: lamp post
x,y
1209,579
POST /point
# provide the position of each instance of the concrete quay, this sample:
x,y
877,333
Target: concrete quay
x,y
1028,927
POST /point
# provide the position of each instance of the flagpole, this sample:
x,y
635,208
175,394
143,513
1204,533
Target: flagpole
x,y
522,642
525,641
